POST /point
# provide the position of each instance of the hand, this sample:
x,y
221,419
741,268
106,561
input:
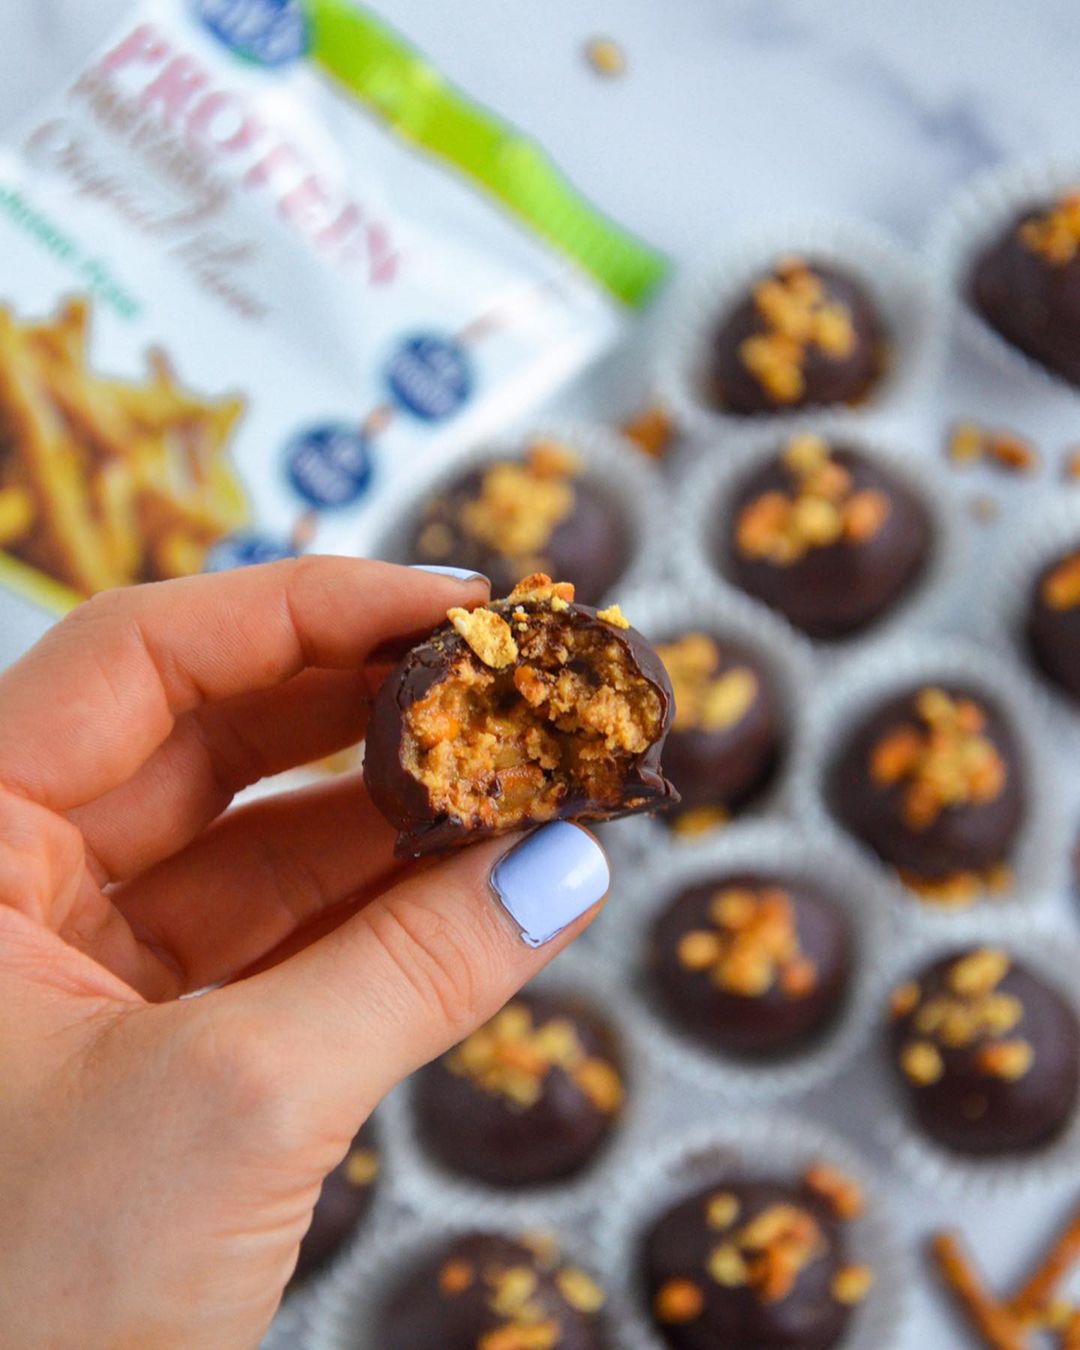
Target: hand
x,y
160,1157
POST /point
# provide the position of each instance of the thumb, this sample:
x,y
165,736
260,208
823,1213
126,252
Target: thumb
x,y
426,962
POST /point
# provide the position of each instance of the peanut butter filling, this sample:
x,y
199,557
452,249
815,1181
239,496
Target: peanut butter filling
x,y
534,710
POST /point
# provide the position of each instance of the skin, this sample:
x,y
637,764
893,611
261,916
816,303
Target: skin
x,y
160,1158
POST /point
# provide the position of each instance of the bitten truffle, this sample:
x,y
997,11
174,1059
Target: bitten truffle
x,y
726,739
932,782
530,1098
751,966
526,710
1026,284
826,536
1053,623
807,335
539,512
342,1206
484,1291
987,1054
762,1265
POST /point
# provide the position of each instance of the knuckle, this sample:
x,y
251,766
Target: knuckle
x,y
433,961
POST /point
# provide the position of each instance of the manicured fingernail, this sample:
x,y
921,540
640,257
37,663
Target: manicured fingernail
x,y
548,880
458,573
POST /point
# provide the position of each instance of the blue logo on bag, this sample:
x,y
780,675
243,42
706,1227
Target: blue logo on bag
x,y
242,550
268,32
330,466
431,376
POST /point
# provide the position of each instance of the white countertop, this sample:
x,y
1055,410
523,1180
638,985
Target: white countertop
x,y
730,109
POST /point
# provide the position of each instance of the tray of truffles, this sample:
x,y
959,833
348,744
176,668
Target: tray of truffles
x,y
824,719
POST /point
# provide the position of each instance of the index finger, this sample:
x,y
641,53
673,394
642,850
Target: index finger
x,y
85,707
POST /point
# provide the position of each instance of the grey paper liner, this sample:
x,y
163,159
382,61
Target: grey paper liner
x,y
1037,860
1048,953
773,848
702,508
895,279
756,1145
972,219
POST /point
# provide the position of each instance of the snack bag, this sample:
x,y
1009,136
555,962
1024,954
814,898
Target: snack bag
x,y
259,266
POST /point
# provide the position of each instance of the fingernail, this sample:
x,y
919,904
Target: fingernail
x,y
458,573
550,879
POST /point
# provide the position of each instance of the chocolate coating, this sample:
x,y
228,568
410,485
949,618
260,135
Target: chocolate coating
x,y
752,1025
969,1108
678,1248
1053,629
449,1300
725,763
406,802
827,379
590,545
343,1204
1033,302
842,587
479,1124
971,837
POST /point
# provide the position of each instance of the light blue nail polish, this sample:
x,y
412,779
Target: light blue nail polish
x,y
549,879
458,573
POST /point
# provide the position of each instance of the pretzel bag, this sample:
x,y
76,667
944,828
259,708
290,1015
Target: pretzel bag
x,y
259,267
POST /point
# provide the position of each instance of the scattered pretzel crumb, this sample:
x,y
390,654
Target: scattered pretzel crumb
x,y
652,430
606,57
984,508
487,634
697,821
971,442
1012,453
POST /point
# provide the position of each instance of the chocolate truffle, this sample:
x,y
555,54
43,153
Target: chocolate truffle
x,y
806,335
485,1291
826,536
522,711
761,1265
343,1204
1026,284
1053,624
751,966
725,739
987,1054
536,513
931,781
530,1098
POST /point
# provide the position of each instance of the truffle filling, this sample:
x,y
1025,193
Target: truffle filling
x,y
564,719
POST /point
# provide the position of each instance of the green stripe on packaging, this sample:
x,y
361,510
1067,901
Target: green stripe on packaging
x,y
378,67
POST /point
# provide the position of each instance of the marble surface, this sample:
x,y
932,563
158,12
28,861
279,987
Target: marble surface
x,y
729,110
